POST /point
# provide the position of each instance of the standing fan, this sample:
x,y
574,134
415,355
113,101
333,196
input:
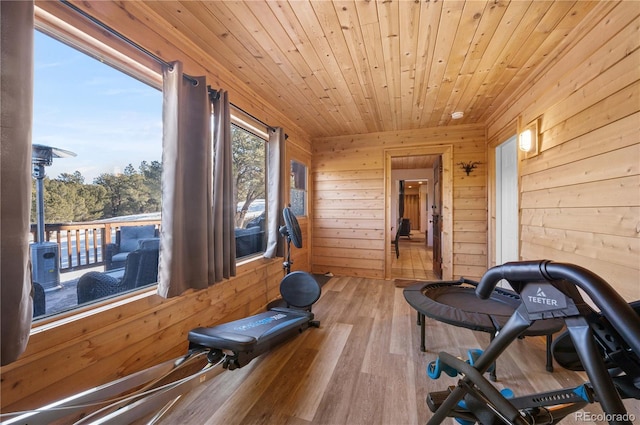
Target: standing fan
x,y
298,289
291,231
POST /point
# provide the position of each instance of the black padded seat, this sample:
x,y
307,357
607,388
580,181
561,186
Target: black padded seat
x,y
249,337
300,289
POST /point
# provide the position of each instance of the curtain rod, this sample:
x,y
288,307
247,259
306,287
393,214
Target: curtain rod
x,y
152,56
286,136
253,117
215,94
123,38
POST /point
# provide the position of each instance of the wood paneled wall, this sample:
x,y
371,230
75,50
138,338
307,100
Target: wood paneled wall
x,y
580,197
349,200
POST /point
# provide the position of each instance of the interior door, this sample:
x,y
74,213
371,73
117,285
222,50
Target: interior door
x,y
437,217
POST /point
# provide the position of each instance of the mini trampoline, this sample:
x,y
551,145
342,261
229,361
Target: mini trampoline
x,y
456,303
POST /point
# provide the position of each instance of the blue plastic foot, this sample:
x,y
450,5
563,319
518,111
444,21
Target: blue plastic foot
x,y
506,393
474,354
435,369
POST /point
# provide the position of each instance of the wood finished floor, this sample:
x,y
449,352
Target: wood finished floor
x,y
415,261
362,366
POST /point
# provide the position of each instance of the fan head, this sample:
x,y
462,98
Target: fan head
x,y
292,226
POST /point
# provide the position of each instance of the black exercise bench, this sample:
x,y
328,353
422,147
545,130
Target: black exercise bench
x,y
248,338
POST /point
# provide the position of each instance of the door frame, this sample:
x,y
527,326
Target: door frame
x,y
446,151
499,190
508,131
436,217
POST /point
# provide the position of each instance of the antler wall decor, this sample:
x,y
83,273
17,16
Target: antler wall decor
x,y
468,166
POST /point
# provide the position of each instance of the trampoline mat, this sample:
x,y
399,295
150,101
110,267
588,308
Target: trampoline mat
x,y
464,298
456,303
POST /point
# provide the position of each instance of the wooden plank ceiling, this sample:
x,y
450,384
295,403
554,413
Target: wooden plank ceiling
x,y
350,67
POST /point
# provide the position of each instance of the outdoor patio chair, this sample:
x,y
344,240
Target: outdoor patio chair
x,y
250,240
127,240
141,269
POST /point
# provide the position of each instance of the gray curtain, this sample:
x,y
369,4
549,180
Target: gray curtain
x,y
186,248
224,207
16,106
276,169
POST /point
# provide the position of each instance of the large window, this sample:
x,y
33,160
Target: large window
x,y
101,185
249,172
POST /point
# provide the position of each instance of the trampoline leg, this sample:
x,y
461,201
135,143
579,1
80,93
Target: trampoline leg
x,y
549,355
423,348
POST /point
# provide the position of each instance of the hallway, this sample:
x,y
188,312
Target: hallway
x,y
416,259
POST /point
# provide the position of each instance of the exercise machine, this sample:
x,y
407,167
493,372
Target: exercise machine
x,y
605,345
455,302
212,350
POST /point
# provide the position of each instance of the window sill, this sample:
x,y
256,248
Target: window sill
x,y
83,312
247,263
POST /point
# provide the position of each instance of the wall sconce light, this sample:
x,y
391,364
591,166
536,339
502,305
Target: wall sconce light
x,y
528,139
526,142
468,167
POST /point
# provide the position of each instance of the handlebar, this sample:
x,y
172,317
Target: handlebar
x,y
514,271
619,313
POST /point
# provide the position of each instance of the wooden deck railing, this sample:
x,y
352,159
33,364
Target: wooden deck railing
x,y
82,245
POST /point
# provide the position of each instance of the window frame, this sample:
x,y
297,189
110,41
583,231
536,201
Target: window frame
x,y
306,185
88,38
112,52
250,125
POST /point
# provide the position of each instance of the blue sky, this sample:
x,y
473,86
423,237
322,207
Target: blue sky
x,y
82,105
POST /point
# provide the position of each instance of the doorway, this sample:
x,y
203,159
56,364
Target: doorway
x,y
413,250
415,256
